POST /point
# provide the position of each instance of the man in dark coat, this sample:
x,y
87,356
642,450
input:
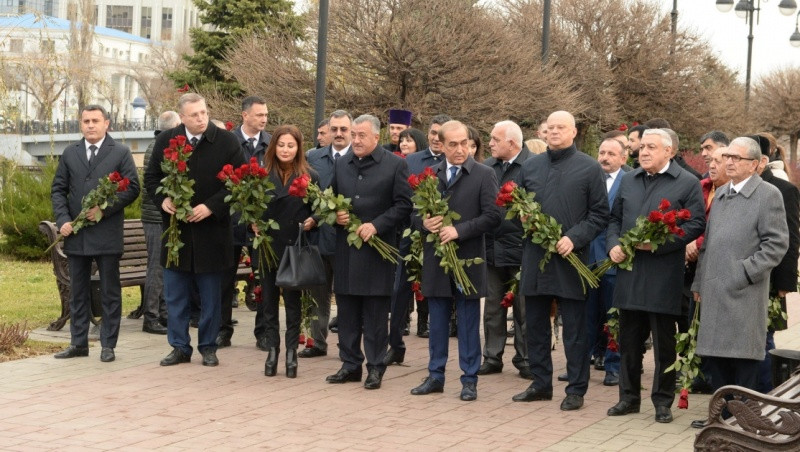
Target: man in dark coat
x,y
376,183
155,309
569,186
504,256
323,161
649,295
80,169
206,235
254,141
470,189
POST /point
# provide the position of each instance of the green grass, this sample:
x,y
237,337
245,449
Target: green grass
x,y
28,292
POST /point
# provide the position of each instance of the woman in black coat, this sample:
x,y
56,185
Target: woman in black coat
x,y
284,161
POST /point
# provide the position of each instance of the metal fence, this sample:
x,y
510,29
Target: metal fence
x,y
36,127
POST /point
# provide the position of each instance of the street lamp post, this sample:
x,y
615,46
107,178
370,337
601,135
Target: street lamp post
x,y
322,57
545,31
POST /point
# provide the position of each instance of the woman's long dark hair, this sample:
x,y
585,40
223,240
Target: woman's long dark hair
x,y
299,164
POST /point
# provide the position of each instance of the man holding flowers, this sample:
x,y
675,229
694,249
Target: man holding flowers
x,y
648,295
470,190
80,171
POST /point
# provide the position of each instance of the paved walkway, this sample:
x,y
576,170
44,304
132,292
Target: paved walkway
x,y
134,404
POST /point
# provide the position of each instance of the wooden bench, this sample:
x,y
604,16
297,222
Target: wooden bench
x,y
132,270
758,422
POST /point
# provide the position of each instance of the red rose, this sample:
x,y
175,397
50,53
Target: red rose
x,y
257,293
683,402
680,232
635,123
670,218
655,217
235,180
623,127
246,261
181,139
251,276
115,176
612,345
413,181
418,296
123,185
174,157
228,126
508,187
254,168
228,169
239,173
664,205
181,166
187,149
508,300
416,286
173,143
302,339
309,342
262,173
684,214
184,89
428,172
222,176
293,191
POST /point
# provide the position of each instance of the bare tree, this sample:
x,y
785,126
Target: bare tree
x,y
776,104
81,14
158,91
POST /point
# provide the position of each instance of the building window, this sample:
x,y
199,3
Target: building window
x,y
120,18
47,46
21,7
16,46
147,22
48,8
166,24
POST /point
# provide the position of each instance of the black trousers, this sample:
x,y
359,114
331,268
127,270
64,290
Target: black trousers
x,y
228,289
270,307
372,314
634,327
732,371
80,301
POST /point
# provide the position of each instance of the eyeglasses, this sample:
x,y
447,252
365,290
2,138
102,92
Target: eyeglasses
x,y
735,158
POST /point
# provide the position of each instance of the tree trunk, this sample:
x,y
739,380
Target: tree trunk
x,y
793,137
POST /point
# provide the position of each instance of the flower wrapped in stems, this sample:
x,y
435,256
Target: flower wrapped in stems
x,y
687,364
251,191
543,229
179,187
413,262
308,314
429,203
102,196
325,204
611,328
513,289
654,229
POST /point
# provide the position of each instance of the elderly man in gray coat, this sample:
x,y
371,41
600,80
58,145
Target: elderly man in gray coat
x,y
745,239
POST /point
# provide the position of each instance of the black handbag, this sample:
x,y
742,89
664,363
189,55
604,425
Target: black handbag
x,y
301,266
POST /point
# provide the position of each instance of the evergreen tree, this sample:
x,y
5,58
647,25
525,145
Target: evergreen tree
x,y
230,20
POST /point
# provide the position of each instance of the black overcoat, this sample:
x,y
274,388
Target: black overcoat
x,y
570,186
472,195
377,186
287,211
656,281
322,161
75,178
208,244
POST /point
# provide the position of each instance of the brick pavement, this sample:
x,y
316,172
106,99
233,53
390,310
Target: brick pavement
x,y
134,404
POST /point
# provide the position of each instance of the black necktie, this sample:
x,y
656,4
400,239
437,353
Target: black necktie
x,y
336,156
505,166
252,143
193,142
733,190
93,150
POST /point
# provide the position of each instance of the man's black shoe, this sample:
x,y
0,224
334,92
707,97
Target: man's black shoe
x,y
223,340
261,344
162,321
611,379
394,355
526,373
210,357
532,394
489,368
344,376
600,363
663,414
563,377
334,325
194,323
373,380
176,356
422,329
407,328
107,355
72,351
511,331
469,391
622,408
153,327
428,386
311,352
699,423
571,402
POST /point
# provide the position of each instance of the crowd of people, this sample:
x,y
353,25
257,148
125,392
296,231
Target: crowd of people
x,y
738,248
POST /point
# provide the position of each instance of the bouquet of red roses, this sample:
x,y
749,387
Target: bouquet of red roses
x,y
251,191
178,186
513,289
308,313
413,262
325,204
687,364
654,229
102,196
429,203
543,229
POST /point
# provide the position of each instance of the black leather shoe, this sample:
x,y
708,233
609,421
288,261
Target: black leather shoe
x,y
663,414
107,355
72,351
291,363
261,344
176,356
469,392
422,329
563,377
699,423
600,363
210,357
394,355
532,394
571,402
334,325
271,365
153,327
311,352
611,379
489,368
407,329
622,408
194,323
344,376
428,386
223,340
526,373
373,380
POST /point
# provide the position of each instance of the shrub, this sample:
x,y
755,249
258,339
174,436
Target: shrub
x,y
24,202
12,335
